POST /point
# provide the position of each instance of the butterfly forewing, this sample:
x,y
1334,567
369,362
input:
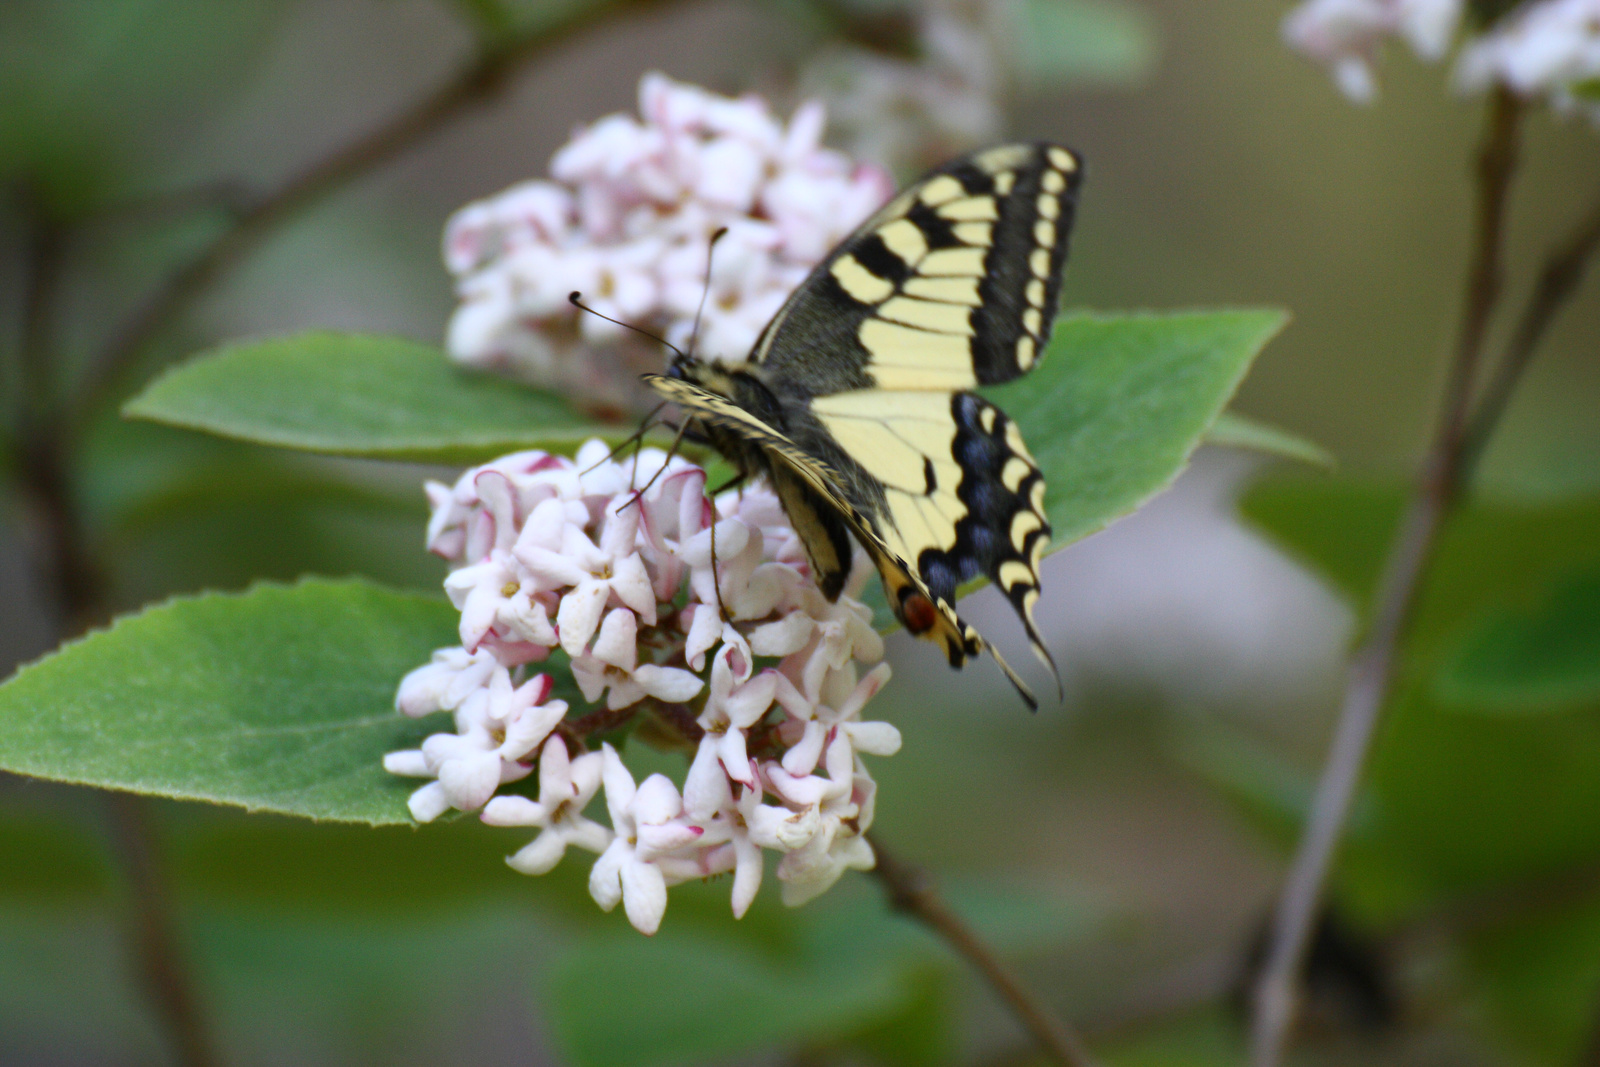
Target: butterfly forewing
x,y
953,284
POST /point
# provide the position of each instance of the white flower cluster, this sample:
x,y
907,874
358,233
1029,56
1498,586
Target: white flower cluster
x,y
1345,35
1550,49
700,613
1542,48
913,113
628,219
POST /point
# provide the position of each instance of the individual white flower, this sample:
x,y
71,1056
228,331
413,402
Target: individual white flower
x,y
444,682
843,804
488,504
480,591
822,722
613,668
736,702
1345,35
496,727
1547,48
646,827
559,555
841,632
566,786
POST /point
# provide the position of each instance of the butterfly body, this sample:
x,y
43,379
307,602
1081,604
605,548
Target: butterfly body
x,y
857,402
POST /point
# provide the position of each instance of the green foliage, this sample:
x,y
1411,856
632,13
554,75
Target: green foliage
x,y
85,85
368,931
289,692
1119,402
1103,42
1520,661
1473,799
352,395
841,972
1236,431
1541,973
280,699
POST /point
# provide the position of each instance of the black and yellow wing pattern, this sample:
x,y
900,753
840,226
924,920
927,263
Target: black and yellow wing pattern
x,y
857,401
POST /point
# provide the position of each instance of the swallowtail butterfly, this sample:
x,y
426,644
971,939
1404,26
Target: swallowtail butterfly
x,y
857,403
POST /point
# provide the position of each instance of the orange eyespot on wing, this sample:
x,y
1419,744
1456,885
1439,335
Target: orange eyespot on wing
x,y
919,614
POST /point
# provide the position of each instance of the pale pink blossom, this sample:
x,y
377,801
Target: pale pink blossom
x,y
565,788
1345,35
646,828
1549,48
627,219
497,726
605,558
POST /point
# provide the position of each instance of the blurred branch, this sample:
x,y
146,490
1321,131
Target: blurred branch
x,y
1563,270
477,83
912,892
38,448
68,568
154,933
1372,667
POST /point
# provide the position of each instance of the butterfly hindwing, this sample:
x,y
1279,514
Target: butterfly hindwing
x,y
809,489
956,492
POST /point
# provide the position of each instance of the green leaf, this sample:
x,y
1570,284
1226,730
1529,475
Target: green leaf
x,y
355,395
1517,661
279,699
1488,556
91,89
1463,800
1237,431
1338,527
844,970
1104,42
612,1009
1541,974
1119,402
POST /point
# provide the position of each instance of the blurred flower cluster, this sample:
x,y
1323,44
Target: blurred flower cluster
x,y
627,219
1546,49
911,113
697,616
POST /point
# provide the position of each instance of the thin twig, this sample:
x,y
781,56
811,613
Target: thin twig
x,y
62,557
1372,667
911,891
162,965
1563,270
476,84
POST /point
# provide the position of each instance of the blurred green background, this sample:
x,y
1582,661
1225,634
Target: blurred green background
x,y
1123,848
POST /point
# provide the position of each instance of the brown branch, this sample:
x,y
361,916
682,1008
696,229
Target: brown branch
x,y
67,566
911,892
1563,270
1372,667
476,84
154,934
60,553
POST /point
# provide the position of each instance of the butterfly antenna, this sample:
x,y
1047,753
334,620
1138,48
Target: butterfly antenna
x,y
575,298
638,494
635,436
699,312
